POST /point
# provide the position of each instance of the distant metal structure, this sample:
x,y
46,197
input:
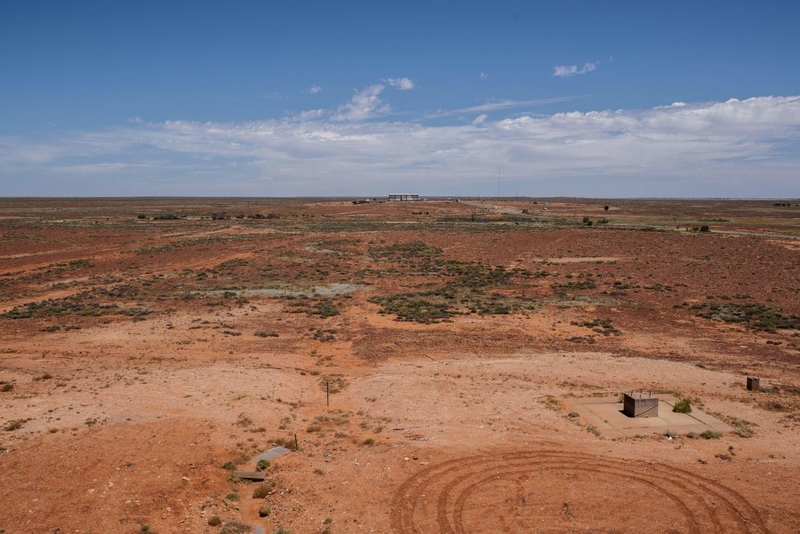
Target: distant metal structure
x,y
403,197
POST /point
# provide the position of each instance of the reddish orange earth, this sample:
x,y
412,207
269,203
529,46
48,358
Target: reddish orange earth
x,y
418,354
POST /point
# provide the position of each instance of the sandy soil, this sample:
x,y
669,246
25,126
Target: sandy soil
x,y
140,352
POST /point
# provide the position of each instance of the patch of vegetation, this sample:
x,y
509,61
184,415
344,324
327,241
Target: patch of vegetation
x,y
587,283
6,387
263,333
682,406
288,443
773,405
421,308
601,326
234,527
742,427
14,425
325,335
264,510
465,295
755,316
402,251
711,434
151,249
214,521
263,490
333,384
322,307
232,496
92,303
262,465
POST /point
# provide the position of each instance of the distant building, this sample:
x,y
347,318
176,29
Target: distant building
x,y
403,197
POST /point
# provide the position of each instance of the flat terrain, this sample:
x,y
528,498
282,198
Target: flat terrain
x,y
423,361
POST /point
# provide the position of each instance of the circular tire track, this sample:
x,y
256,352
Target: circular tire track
x,y
507,492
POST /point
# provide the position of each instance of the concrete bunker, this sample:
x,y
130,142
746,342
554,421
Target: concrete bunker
x,y
640,404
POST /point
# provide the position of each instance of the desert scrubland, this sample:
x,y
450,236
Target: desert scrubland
x,y
420,360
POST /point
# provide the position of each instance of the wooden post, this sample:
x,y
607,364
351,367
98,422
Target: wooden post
x,y
295,443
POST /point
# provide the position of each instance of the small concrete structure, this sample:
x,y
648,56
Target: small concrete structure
x,y
606,416
257,476
753,383
640,405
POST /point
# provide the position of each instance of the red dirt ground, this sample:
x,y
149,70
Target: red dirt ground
x,y
139,354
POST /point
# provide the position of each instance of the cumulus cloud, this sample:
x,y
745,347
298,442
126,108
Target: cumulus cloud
x,y
572,70
733,148
403,84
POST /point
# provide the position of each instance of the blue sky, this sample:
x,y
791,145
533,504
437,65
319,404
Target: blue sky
x,y
625,99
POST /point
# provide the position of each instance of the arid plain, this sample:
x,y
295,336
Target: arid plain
x,y
422,360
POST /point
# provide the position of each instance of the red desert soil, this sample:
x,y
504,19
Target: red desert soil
x,y
147,342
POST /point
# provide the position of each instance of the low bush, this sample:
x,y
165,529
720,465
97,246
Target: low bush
x,y
682,406
263,490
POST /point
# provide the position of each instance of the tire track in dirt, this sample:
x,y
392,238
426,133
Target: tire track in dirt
x,y
459,495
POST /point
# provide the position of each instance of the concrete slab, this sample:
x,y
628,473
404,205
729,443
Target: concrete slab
x,y
605,414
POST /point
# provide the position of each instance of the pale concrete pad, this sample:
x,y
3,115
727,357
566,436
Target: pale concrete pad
x,y
605,414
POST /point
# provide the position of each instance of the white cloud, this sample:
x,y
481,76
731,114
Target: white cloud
x,y
482,76
572,70
734,148
311,114
135,120
315,89
365,104
498,105
271,96
403,84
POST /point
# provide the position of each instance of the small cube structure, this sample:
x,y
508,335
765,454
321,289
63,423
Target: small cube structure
x,y
753,383
640,405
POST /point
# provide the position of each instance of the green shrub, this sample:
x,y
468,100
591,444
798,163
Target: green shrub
x,y
711,434
263,490
215,521
683,406
264,511
262,465
232,496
